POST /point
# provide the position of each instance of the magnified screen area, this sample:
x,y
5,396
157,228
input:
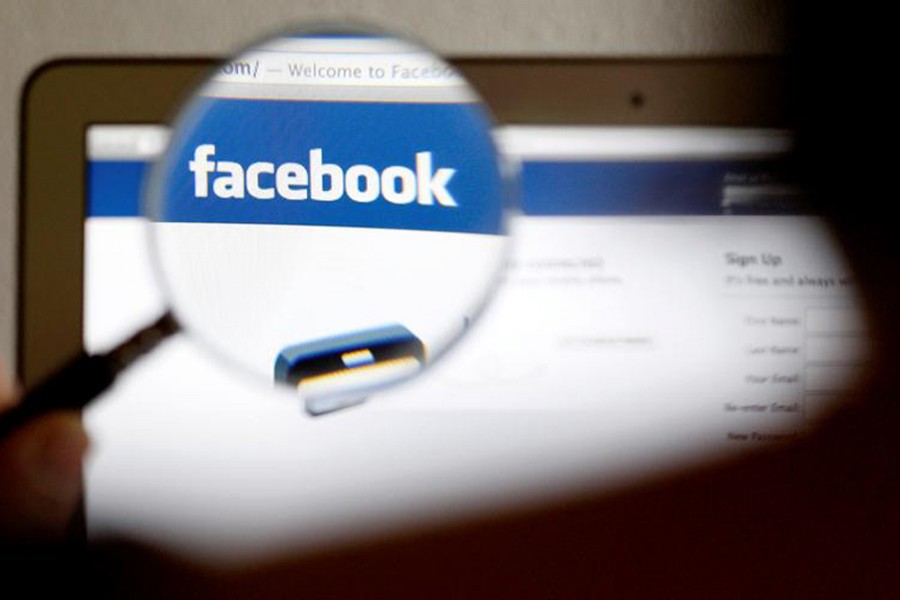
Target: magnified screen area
x,y
330,211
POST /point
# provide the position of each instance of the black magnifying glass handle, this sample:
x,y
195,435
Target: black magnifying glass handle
x,y
85,377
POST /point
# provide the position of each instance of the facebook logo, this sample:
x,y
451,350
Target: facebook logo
x,y
320,181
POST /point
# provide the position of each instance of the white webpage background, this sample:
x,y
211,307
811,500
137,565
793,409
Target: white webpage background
x,y
616,348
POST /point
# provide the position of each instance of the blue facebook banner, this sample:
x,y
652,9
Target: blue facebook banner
x,y
653,187
355,164
551,188
114,187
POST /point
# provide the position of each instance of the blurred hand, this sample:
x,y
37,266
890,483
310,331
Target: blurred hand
x,y
40,473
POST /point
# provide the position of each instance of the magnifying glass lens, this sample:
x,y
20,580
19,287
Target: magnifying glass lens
x,y
330,213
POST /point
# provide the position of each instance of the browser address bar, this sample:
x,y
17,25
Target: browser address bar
x,y
339,69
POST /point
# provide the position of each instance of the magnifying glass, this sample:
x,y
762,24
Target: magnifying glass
x,y
329,216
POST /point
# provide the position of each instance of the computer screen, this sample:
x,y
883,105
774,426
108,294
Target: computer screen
x,y
669,298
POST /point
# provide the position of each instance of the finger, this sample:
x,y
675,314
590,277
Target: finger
x,y
41,477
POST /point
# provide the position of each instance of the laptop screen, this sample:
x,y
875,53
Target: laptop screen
x,y
669,298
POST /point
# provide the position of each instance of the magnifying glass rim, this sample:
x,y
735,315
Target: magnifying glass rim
x,y
506,168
